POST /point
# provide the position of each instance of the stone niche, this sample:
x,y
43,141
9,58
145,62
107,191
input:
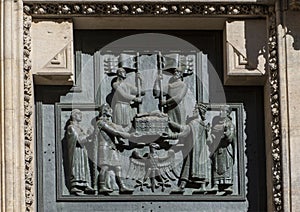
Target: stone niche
x,y
134,137
49,44
163,109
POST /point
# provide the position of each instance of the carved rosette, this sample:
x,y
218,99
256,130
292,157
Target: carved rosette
x,y
145,9
28,127
275,110
154,9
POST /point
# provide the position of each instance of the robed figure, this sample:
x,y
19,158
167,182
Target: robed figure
x,y
175,94
125,96
78,172
195,150
223,138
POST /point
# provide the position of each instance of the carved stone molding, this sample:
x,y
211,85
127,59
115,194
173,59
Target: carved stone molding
x,y
138,9
154,9
28,112
275,110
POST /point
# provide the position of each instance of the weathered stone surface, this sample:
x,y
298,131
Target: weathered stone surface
x,y
292,98
52,64
12,176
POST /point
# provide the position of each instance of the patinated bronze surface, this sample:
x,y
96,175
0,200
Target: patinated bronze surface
x,y
77,170
141,150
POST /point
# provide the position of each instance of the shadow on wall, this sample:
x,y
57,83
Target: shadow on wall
x,y
256,43
295,37
256,51
293,29
247,40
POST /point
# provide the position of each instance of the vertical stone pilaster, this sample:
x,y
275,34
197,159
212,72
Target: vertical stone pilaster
x,y
289,76
12,108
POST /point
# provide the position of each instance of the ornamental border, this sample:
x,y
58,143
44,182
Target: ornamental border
x,y
152,9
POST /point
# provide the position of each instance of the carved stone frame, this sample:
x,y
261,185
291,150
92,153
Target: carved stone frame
x,y
151,9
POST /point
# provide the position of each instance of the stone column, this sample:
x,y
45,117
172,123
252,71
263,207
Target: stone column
x,y
12,184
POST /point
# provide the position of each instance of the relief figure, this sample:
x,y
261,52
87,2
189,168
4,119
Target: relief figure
x,y
175,93
223,138
124,97
194,137
78,172
110,135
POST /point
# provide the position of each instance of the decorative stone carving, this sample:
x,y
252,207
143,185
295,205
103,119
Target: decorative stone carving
x,y
157,170
294,4
59,60
144,9
28,112
52,64
275,109
245,44
158,9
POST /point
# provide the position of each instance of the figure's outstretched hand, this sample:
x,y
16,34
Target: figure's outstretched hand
x,y
137,99
163,103
135,138
90,134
